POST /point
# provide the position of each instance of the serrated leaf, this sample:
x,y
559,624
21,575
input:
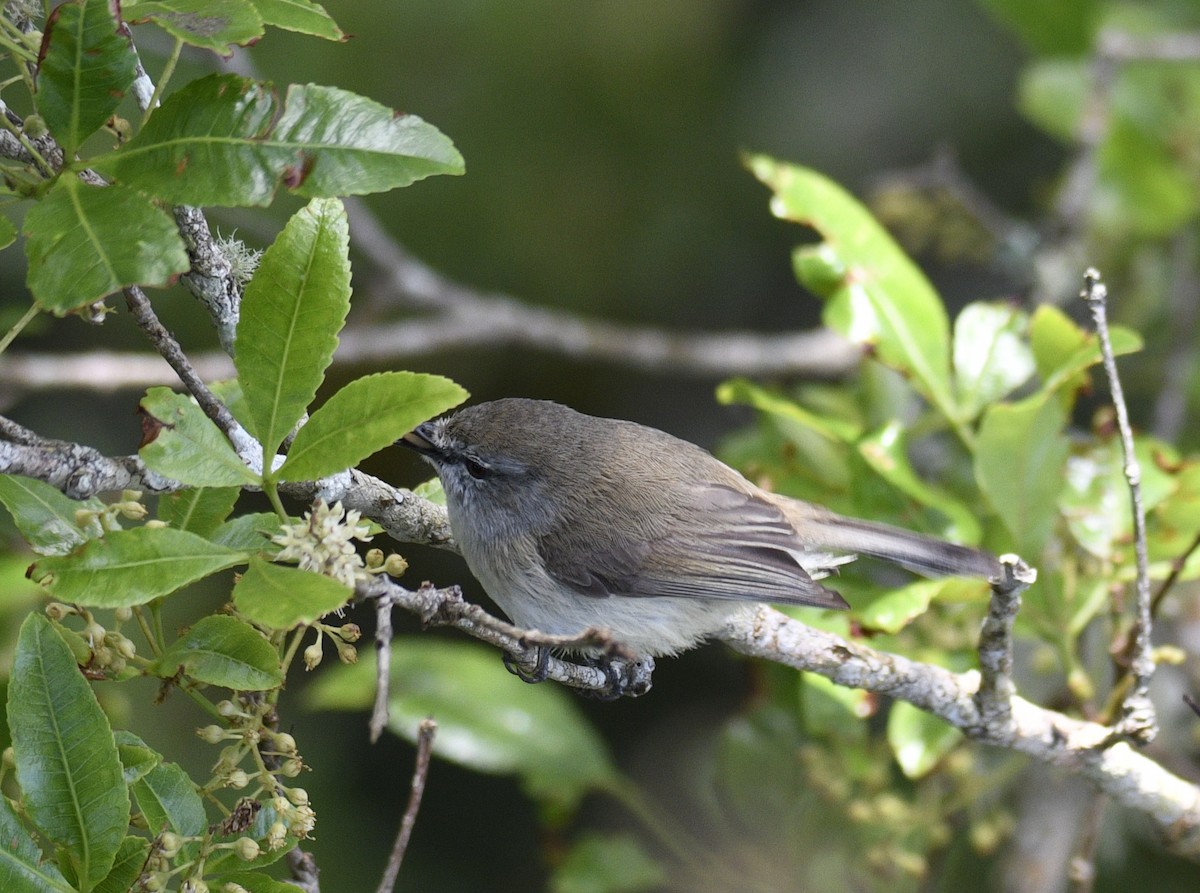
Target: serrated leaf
x,y
222,650
991,354
45,517
137,758
302,16
66,759
216,25
1019,461
363,417
875,294
280,597
23,868
485,722
249,533
291,313
227,134
84,70
86,242
126,867
201,510
918,739
188,446
130,567
169,801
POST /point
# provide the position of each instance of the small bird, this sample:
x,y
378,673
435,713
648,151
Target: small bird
x,y
573,522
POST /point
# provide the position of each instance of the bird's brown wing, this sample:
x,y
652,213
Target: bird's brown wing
x,y
719,542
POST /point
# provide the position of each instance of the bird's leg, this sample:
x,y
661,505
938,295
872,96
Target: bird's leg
x,y
520,666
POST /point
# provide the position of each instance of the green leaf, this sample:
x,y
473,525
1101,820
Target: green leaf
x,y
137,758
222,650
1068,31
431,490
886,452
131,857
124,568
217,25
747,393
1019,462
188,446
897,608
350,145
291,313
86,242
84,70
45,517
608,863
485,721
918,739
1052,93
1062,350
302,16
228,135
66,759
169,801
875,294
279,597
826,707
8,231
363,417
991,354
249,533
254,882
201,510
23,868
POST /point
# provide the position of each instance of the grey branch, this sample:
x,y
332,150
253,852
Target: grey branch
x,y
426,729
996,690
1138,710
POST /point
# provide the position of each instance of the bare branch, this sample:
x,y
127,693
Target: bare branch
x,y
79,471
1138,711
425,732
383,665
996,690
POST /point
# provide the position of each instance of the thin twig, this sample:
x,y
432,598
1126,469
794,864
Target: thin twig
x,y
1138,720
996,687
425,732
1177,568
383,665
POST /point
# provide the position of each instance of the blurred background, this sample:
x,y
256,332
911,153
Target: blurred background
x,y
602,141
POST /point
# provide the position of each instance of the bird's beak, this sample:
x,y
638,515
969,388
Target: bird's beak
x,y
419,440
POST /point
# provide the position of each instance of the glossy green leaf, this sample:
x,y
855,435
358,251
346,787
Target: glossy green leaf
x,y
188,446
217,25
256,882
897,608
280,597
131,857
487,720
130,567
747,393
23,867
365,416
84,70
1063,351
1019,463
85,242
291,313
222,650
249,533
45,517
350,145
431,490
137,758
230,138
992,356
608,863
66,759
886,452
918,739
875,294
169,801
302,16
201,510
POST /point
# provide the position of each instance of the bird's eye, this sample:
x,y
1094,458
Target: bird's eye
x,y
476,469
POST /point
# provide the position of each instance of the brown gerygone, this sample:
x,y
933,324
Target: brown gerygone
x,y
573,522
